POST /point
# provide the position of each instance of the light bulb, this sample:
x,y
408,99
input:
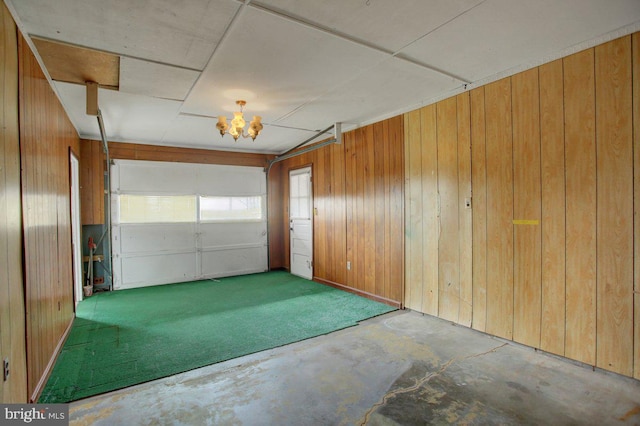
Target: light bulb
x,y
238,120
222,125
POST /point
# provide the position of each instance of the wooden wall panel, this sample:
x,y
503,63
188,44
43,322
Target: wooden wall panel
x,y
320,214
368,212
46,138
414,215
635,41
526,206
449,239
553,207
98,165
12,313
395,256
358,194
92,164
275,210
380,130
134,151
465,219
354,201
635,50
439,225
499,209
430,228
338,245
479,208
580,181
614,134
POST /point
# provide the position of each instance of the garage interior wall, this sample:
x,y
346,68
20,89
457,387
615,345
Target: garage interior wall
x,y
12,331
553,156
358,211
587,296
46,136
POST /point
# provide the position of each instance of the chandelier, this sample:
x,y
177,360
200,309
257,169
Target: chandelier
x,y
237,124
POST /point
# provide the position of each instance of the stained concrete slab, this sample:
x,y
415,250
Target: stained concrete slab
x,y
402,368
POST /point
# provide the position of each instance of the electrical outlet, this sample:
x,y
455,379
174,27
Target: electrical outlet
x,y
348,265
467,203
5,369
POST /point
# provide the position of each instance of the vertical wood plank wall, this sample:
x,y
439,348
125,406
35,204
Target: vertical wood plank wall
x,y
554,167
635,48
92,163
12,330
47,135
359,211
438,225
580,187
553,195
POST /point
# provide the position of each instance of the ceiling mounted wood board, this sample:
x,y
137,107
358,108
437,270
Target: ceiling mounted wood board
x,y
72,64
181,33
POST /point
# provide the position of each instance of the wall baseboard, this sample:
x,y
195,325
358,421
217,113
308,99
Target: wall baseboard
x,y
47,371
362,293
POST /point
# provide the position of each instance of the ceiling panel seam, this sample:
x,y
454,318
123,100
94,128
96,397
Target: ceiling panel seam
x,y
355,40
226,33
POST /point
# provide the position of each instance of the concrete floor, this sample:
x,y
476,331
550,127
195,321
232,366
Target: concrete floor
x,y
402,368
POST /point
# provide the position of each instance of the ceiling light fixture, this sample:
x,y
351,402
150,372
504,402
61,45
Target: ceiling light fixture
x,y
237,124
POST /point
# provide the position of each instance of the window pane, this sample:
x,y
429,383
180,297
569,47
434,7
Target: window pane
x,y
157,208
294,207
303,185
230,208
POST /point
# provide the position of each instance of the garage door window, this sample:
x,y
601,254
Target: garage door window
x,y
230,209
157,208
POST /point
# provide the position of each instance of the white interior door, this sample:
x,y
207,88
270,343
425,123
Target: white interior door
x,y
76,230
300,222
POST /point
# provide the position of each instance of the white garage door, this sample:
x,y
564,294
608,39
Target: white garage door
x,y
174,222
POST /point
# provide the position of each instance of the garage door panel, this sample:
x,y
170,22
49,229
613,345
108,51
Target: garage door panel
x,y
156,246
157,237
229,234
153,177
230,180
142,271
233,261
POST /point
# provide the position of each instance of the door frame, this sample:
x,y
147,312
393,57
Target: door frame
x,y
76,227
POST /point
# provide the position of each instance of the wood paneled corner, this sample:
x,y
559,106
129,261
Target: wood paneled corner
x,y
46,135
359,211
12,311
554,178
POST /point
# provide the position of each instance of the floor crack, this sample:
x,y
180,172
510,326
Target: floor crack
x,y
421,382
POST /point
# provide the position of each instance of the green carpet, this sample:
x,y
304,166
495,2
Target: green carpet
x,y
128,337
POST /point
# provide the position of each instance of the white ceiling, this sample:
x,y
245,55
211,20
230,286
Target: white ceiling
x,y
302,64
